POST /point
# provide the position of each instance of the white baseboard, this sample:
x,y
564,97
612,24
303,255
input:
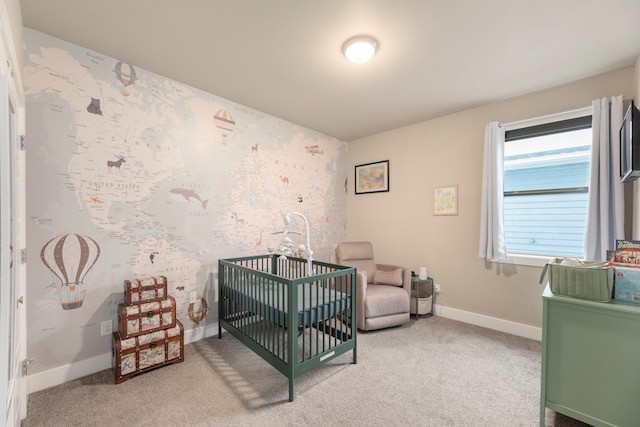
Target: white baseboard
x,y
494,323
75,370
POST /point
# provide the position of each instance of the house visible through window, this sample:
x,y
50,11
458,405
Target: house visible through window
x,y
546,186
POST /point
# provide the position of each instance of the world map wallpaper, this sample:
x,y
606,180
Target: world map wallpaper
x,y
133,175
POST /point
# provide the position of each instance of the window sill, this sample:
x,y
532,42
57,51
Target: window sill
x,y
528,260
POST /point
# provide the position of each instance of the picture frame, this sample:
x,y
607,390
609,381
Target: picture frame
x,y
445,200
372,177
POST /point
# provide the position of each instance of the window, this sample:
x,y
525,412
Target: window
x,y
546,186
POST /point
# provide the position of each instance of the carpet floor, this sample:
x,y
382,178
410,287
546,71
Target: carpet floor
x,y
430,372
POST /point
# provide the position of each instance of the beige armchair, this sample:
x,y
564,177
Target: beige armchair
x,y
383,291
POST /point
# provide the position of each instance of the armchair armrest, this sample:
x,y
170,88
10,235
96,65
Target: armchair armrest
x,y
361,291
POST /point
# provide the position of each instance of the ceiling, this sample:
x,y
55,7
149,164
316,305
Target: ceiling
x,y
283,57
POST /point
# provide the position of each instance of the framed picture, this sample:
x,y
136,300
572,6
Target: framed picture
x,y
372,177
445,200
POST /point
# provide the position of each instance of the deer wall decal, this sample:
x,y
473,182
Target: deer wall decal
x,y
116,164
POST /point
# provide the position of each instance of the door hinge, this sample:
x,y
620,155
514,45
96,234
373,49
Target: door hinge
x,y
25,365
23,256
21,142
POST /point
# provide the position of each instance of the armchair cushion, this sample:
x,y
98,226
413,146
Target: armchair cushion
x,y
368,266
358,255
385,300
390,277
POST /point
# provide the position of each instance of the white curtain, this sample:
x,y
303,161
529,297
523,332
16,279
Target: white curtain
x,y
492,246
605,221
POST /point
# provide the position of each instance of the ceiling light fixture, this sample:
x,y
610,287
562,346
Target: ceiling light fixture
x,y
360,49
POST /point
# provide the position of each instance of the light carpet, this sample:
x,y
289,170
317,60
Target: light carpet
x,y
430,372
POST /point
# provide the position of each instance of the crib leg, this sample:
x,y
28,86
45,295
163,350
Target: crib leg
x,y
291,388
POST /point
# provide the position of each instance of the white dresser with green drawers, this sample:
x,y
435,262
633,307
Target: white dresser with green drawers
x,y
591,360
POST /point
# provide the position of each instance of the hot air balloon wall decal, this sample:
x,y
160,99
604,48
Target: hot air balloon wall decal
x,y
224,122
126,74
70,257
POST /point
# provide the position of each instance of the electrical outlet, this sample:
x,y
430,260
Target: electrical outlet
x,y
106,327
436,288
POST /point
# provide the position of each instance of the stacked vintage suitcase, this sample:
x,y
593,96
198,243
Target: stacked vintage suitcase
x,y
149,335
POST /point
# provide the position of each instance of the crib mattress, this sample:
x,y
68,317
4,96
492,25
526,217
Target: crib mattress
x,y
269,300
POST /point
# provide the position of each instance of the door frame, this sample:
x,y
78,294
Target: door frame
x,y
13,381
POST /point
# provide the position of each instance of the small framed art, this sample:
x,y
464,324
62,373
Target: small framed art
x,y
372,177
445,200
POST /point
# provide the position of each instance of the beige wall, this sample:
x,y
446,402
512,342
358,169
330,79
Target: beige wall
x,y
447,151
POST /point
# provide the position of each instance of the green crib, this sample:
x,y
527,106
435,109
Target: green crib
x,y
294,321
